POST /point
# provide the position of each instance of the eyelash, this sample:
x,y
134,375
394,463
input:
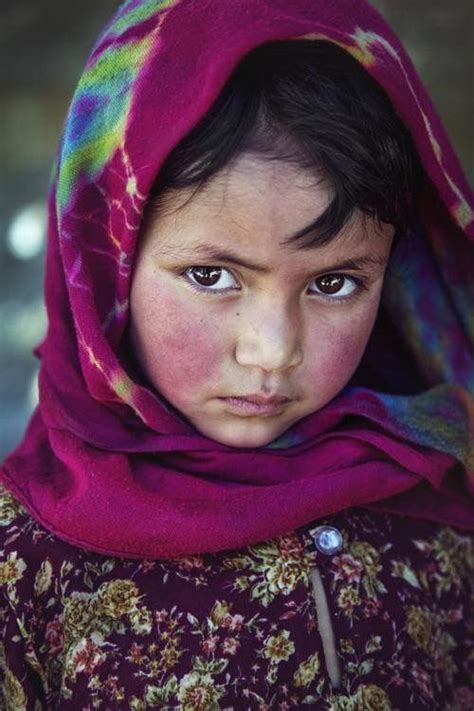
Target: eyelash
x,y
361,285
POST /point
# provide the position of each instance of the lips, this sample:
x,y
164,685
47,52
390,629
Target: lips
x,y
262,399
252,405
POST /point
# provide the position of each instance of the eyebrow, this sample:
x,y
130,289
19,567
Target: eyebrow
x,y
207,251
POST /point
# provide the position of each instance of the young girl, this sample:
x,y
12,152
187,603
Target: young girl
x,y
247,482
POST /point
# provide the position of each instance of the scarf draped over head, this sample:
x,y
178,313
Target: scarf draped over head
x,y
105,463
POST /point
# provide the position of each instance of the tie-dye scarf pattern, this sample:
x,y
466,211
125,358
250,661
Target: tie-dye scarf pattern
x,y
105,464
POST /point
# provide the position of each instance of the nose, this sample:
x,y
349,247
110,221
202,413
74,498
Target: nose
x,y
272,341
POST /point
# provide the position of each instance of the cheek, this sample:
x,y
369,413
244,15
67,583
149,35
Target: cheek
x,y
178,347
338,347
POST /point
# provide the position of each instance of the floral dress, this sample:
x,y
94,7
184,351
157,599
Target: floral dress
x,y
239,630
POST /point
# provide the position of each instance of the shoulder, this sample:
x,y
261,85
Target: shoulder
x,y
10,508
24,543
34,563
420,540
15,540
41,576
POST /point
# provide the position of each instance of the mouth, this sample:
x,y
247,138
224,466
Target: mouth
x,y
256,404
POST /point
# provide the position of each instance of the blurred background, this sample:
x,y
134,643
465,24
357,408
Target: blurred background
x,y
43,46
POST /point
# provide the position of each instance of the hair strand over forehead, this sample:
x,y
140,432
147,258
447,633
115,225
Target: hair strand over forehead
x,y
312,104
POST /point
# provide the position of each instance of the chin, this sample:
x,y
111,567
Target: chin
x,y
244,435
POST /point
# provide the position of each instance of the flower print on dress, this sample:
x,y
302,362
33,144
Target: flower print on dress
x,y
420,627
87,654
454,554
99,629
13,694
356,580
368,697
80,614
369,557
10,508
307,671
198,692
11,569
118,598
43,577
347,568
274,568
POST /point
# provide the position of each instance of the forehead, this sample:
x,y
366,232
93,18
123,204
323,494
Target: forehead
x,y
249,190
255,204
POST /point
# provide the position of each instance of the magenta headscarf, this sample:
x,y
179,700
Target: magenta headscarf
x,y
105,464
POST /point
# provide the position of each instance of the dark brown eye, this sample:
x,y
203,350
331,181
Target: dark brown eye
x,y
330,283
336,287
216,280
206,276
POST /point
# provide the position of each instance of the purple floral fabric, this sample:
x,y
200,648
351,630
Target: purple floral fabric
x,y
238,629
105,463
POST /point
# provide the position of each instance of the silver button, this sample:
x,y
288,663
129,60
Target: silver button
x,y
327,539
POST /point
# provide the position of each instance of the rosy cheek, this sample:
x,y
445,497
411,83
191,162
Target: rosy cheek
x,y
183,345
337,351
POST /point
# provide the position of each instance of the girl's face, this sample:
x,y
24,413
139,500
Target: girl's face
x,y
220,309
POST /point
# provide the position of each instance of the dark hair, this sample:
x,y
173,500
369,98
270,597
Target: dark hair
x,y
312,104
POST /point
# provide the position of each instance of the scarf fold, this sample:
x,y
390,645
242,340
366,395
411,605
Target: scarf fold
x,y
106,463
